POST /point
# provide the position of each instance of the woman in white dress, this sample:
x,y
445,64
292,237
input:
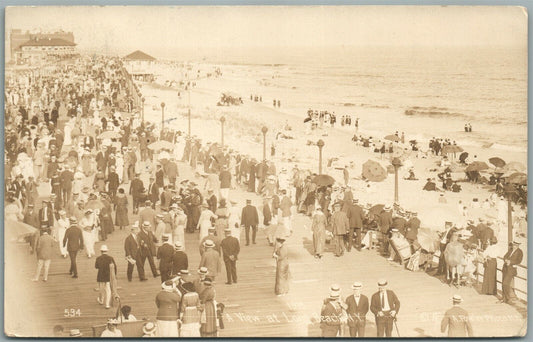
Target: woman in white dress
x,y
180,222
119,166
234,220
87,225
62,226
204,223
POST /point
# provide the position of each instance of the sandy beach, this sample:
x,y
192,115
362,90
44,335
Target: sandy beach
x,y
243,133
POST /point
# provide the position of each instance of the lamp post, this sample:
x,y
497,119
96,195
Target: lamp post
x,y
509,191
264,130
142,110
320,143
189,107
222,120
396,162
162,116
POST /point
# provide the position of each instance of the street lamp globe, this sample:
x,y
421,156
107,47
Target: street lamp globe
x,y
320,143
264,129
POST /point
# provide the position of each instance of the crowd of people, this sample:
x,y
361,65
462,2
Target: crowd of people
x,y
77,132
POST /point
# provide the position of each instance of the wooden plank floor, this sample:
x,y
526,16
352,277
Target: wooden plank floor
x,y
253,310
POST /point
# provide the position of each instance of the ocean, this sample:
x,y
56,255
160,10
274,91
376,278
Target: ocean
x,y
423,91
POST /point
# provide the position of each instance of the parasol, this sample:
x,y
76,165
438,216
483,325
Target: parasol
x,y
307,119
517,178
373,171
451,149
497,162
428,239
161,145
109,135
163,155
16,230
323,180
376,209
392,137
476,166
94,204
514,166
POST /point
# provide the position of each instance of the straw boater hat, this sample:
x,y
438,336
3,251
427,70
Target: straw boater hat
x,y
382,282
168,285
335,291
457,299
203,270
209,243
149,328
104,248
112,321
387,207
178,246
75,333
73,221
357,285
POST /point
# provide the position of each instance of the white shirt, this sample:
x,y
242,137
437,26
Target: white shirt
x,y
491,252
385,302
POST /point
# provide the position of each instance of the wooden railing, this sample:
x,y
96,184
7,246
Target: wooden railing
x,y
520,280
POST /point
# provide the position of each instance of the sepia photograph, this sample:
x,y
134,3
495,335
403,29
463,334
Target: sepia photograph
x,y
265,171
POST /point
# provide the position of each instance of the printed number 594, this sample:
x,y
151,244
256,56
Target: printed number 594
x,y
72,313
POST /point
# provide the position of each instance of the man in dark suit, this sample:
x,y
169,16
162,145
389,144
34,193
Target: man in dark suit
x,y
385,306
88,142
456,320
357,308
148,214
46,215
67,176
102,264
165,254
230,248
153,191
330,315
355,216
133,254
147,242
159,177
249,218
171,170
384,223
136,190
512,258
180,261
211,200
411,231
113,182
73,240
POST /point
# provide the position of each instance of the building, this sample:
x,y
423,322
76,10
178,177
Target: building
x,y
17,38
38,51
140,65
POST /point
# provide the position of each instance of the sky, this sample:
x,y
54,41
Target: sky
x,y
120,28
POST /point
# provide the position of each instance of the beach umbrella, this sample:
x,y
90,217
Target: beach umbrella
x,y
161,145
16,230
517,178
428,239
109,135
373,171
323,180
376,209
476,166
451,149
497,162
392,137
514,166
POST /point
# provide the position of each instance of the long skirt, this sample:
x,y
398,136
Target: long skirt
x,y
489,278
282,277
60,235
178,234
319,240
167,329
88,241
190,330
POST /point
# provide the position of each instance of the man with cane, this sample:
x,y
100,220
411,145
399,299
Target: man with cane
x,y
385,306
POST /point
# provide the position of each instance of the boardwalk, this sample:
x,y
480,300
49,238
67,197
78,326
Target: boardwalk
x,y
252,309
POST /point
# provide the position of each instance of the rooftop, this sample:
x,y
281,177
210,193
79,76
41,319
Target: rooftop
x,y
48,42
139,56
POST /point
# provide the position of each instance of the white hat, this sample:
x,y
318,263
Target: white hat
x,y
168,285
149,328
75,333
209,243
113,321
382,282
335,291
457,298
104,248
357,285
